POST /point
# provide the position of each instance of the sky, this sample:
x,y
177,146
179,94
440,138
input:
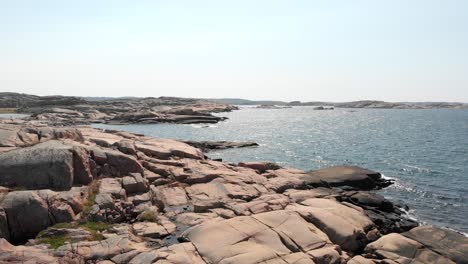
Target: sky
x,y
307,50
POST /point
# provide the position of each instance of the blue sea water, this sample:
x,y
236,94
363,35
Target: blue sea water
x,y
425,151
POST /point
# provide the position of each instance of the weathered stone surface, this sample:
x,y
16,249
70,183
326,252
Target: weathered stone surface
x,y
4,231
123,164
98,250
135,183
400,249
82,169
210,145
23,254
72,234
192,219
165,148
253,239
112,186
298,196
179,254
442,241
264,203
9,136
344,225
99,137
170,196
126,146
350,176
150,229
46,165
261,167
27,214
282,179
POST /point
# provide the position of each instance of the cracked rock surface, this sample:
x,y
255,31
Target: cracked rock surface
x,y
83,195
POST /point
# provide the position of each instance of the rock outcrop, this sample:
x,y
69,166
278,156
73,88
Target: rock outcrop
x,y
213,145
119,197
63,110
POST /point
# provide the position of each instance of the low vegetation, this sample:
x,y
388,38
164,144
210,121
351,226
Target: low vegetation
x,y
95,229
147,216
92,191
8,110
54,242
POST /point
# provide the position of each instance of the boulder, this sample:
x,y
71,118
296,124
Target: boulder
x,y
47,165
135,183
353,176
126,146
27,214
123,164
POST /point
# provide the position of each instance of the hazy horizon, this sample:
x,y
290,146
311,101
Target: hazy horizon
x,y
334,51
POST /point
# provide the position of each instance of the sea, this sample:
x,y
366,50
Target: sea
x,y
425,151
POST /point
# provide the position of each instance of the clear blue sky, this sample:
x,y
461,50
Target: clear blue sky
x,y
334,50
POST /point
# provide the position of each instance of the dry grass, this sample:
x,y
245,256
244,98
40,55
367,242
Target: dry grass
x,y
92,190
8,110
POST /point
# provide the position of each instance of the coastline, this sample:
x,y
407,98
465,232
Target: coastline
x,y
162,196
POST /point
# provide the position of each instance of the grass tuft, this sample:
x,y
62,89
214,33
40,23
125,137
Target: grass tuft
x,y
92,190
147,216
8,110
65,225
54,242
96,226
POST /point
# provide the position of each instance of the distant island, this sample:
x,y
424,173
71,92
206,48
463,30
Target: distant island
x,y
353,104
9,100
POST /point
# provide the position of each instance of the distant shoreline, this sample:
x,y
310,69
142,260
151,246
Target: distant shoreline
x,y
11,100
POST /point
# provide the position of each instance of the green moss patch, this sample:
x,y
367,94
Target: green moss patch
x,y
54,242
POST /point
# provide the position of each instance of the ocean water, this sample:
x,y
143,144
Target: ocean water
x,y
425,151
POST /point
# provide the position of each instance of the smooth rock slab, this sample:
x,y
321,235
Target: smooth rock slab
x,y
445,242
344,225
253,239
400,249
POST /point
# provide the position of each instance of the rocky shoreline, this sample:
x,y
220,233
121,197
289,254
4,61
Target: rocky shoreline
x,y
75,194
68,111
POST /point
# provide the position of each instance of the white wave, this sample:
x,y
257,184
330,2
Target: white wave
x,y
202,126
454,230
387,177
410,216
